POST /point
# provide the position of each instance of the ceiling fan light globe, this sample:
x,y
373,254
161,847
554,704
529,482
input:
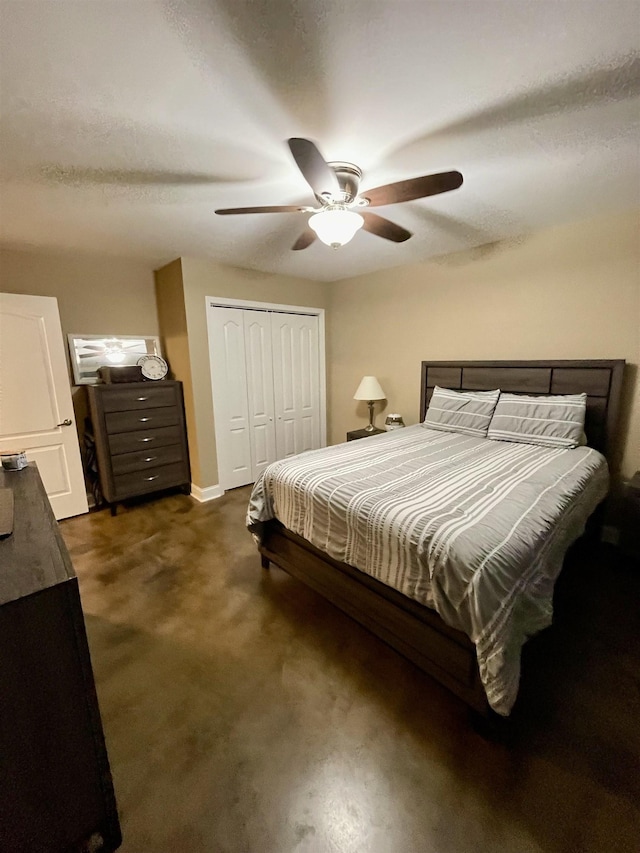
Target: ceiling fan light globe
x,y
335,227
115,356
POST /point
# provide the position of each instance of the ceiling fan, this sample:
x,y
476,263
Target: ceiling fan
x,y
113,350
343,208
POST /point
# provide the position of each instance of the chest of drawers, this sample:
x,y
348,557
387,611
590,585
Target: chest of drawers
x,y
56,789
140,438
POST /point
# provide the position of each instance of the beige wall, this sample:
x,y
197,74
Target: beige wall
x,y
174,337
567,292
202,278
97,294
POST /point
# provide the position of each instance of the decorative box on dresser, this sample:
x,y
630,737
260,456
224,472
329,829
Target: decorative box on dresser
x,y
56,791
140,438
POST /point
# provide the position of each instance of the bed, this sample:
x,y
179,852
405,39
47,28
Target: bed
x,y
406,619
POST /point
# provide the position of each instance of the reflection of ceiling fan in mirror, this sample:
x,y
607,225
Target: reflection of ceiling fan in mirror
x,y
113,350
343,208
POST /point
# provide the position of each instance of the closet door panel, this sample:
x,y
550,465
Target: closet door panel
x,y
287,438
238,453
284,385
258,352
260,440
296,383
309,416
308,433
229,379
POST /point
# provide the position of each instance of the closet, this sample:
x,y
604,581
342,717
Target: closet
x,y
266,375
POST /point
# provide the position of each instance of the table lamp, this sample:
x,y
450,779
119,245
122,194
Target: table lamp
x,y
369,389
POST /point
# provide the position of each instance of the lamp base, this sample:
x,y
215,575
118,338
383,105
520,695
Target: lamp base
x,y
370,427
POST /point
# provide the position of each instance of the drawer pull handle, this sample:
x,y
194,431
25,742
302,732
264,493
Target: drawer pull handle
x,y
142,398
144,420
155,477
147,439
150,458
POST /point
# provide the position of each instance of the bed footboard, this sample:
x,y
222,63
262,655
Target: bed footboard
x,y
417,632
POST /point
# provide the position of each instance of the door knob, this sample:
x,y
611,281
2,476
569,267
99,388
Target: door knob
x,y
65,422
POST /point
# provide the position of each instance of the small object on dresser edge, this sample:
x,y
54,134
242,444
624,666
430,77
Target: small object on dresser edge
x,y
13,460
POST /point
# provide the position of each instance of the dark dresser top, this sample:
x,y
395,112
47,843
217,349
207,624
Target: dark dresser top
x,y
34,556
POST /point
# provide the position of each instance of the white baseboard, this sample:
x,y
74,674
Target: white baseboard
x,y
208,494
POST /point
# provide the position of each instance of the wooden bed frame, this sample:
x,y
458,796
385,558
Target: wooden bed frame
x,y
415,631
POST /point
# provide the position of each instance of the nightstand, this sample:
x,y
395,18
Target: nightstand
x,y
630,527
363,433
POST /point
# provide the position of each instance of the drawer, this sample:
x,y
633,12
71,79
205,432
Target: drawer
x,y
138,482
142,460
142,419
147,439
132,399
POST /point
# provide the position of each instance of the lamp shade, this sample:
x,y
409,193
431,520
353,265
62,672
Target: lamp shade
x,y
335,226
369,389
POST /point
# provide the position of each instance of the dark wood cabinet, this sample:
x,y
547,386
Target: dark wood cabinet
x,y
630,520
363,433
140,438
56,791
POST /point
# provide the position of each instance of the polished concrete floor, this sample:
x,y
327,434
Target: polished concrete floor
x,y
243,714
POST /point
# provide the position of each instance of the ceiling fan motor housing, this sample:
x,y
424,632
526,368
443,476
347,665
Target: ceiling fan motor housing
x,y
349,176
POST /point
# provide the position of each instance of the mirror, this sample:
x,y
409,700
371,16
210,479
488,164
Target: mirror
x,y
89,352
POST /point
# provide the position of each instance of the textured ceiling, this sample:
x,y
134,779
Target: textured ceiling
x,y
124,123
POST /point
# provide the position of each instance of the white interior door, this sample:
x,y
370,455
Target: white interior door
x,y
296,382
257,338
229,384
36,412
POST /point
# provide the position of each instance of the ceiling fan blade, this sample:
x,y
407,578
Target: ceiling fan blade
x,y
427,185
382,227
315,170
284,208
304,240
76,176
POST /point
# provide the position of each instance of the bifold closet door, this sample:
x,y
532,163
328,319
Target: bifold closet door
x,y
265,369
296,382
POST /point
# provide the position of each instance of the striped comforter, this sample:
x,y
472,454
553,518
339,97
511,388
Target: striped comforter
x,y
475,529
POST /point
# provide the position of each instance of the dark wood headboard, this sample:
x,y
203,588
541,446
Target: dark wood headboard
x,y
601,380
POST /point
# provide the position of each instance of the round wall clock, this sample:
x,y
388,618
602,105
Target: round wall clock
x,y
153,367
